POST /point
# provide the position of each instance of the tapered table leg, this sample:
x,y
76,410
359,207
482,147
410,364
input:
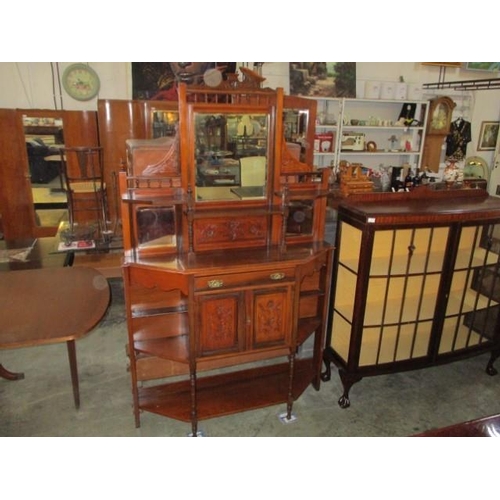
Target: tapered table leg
x,y
74,371
4,373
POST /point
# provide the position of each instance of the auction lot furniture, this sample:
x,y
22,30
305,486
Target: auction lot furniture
x,y
222,291
480,427
51,305
416,282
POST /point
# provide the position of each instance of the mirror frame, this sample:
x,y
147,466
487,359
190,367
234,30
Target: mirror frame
x,y
216,110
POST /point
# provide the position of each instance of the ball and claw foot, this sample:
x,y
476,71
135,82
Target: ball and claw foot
x,y
344,401
491,370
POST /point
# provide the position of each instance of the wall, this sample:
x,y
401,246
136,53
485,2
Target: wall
x,y
32,85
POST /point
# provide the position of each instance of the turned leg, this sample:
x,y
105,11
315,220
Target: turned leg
x,y
289,404
4,373
194,405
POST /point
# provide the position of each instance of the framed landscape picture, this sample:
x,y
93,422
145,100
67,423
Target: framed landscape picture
x,y
488,136
483,66
323,79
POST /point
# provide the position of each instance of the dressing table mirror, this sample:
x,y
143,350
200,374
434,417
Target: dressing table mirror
x,y
230,155
299,117
44,136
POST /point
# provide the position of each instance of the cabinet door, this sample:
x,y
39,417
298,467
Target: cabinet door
x,y
388,311
220,323
472,308
270,317
243,320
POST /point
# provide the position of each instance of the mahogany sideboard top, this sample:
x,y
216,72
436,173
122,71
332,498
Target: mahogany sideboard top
x,y
480,427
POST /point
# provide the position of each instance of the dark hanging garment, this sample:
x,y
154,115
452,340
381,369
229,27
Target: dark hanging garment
x,y
457,139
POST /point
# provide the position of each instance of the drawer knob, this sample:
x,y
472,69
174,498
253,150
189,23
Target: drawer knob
x,y
277,276
215,284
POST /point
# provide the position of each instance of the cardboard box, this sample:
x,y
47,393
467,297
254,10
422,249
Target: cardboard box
x,y
323,142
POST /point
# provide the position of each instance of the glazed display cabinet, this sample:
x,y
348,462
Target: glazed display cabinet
x,y
415,282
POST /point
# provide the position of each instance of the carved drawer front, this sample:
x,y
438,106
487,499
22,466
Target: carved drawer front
x,y
257,278
219,329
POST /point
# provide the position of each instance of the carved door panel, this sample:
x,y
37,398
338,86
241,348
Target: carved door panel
x,y
270,317
240,320
220,323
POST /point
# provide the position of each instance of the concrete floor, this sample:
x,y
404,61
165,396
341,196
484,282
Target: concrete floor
x,y
400,404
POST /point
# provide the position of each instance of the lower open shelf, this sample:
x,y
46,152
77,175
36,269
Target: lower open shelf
x,y
228,393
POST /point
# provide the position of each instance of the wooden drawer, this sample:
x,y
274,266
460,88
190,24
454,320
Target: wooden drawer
x,y
257,278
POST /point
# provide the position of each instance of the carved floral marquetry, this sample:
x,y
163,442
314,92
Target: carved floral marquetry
x,y
157,157
289,162
219,330
233,230
270,317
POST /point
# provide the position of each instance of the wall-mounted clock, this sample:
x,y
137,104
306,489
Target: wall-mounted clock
x,y
438,127
81,82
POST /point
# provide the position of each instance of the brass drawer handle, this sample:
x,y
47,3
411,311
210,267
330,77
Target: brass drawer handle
x,y
277,276
215,284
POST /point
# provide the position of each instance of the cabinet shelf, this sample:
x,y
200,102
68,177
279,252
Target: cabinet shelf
x,y
226,394
385,113
152,199
306,328
237,211
147,310
327,127
399,128
415,309
172,348
378,152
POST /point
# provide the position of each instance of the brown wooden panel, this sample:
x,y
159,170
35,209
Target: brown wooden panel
x,y
230,232
219,318
16,200
16,205
270,317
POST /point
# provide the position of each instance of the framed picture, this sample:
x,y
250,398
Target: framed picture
x,y
483,66
158,80
488,136
323,79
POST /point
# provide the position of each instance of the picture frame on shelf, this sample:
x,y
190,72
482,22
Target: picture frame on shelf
x,y
488,136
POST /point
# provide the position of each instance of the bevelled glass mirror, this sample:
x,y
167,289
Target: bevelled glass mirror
x,y
231,156
44,136
295,123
